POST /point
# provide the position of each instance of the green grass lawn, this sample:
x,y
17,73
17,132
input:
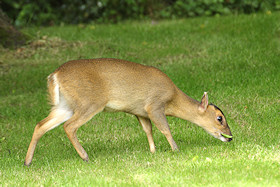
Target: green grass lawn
x,y
236,59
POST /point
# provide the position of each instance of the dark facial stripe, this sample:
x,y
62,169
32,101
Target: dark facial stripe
x,y
217,108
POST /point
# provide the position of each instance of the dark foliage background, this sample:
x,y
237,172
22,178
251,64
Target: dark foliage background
x,y
49,12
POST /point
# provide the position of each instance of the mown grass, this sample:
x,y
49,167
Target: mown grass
x,y
235,58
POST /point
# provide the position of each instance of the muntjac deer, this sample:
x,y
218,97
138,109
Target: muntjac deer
x,y
80,89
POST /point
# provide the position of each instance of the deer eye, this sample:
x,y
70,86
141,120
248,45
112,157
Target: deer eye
x,y
220,118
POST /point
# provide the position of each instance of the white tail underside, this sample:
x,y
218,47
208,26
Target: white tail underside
x,y
61,110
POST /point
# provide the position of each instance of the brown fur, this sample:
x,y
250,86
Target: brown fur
x,y
51,89
87,87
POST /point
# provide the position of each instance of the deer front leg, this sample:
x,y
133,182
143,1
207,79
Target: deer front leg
x,y
147,127
159,119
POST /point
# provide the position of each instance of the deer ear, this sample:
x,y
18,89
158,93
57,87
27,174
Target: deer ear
x,y
204,102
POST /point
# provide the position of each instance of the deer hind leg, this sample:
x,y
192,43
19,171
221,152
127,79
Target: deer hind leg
x,y
159,119
147,127
77,120
55,118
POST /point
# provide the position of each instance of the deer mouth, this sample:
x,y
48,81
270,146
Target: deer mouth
x,y
228,138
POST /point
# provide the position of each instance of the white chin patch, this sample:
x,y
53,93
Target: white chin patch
x,y
222,139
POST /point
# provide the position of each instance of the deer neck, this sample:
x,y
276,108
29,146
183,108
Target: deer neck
x,y
184,107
